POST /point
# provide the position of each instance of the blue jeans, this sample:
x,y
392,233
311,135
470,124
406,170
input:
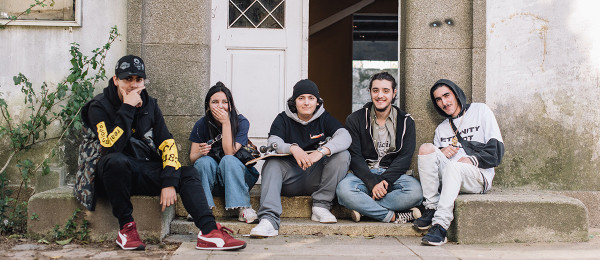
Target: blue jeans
x,y
229,177
353,194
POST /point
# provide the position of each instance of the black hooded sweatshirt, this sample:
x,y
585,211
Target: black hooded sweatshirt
x,y
362,148
115,122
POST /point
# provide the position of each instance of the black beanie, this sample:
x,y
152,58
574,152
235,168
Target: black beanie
x,y
305,86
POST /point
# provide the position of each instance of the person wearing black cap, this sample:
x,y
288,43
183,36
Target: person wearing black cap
x,y
466,147
138,156
300,128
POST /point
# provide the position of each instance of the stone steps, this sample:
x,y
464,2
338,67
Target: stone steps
x,y
497,217
305,226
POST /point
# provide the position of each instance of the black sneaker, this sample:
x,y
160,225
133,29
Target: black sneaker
x,y
424,222
435,237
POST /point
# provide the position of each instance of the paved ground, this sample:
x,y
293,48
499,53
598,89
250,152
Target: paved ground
x,y
308,247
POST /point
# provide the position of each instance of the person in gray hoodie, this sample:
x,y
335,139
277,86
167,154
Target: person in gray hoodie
x,y
466,147
302,127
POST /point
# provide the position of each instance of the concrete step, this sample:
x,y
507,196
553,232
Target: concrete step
x,y
518,216
55,207
305,226
293,207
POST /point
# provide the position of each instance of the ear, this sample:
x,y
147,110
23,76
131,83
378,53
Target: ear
x,y
115,80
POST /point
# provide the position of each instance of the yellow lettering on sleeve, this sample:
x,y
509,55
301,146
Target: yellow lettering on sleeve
x,y
169,154
106,139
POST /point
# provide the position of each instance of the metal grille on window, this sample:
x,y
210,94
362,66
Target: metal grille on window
x,y
257,14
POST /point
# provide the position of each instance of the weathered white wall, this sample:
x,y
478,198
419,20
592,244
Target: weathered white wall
x,y
543,82
42,54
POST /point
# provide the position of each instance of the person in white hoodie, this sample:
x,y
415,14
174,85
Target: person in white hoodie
x,y
302,127
466,147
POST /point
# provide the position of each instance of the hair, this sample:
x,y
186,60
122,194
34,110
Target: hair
x,y
291,102
233,113
384,76
439,86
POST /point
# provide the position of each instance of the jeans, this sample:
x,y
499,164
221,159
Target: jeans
x,y
283,176
229,177
404,194
120,176
436,170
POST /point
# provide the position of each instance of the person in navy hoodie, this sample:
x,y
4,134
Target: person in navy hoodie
x,y
217,139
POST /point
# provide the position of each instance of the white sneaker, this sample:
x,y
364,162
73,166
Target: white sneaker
x,y
355,215
247,215
322,215
264,229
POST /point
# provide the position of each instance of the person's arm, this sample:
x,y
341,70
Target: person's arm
x,y
168,150
401,163
358,163
340,138
198,147
113,135
490,154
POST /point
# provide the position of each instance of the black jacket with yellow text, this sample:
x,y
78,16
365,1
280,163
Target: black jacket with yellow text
x,y
115,122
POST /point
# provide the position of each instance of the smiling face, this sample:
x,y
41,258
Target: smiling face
x,y
306,105
446,100
128,84
219,101
382,94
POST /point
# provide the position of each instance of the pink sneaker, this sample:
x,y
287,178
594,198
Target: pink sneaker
x,y
219,239
129,239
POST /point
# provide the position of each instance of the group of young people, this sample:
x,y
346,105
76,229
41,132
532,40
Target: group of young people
x,y
365,165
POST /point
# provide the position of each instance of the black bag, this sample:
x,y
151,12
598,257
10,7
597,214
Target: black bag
x,y
244,154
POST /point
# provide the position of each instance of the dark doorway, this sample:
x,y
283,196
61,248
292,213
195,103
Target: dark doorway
x,y
333,48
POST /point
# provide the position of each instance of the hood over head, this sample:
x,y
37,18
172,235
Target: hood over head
x,y
458,92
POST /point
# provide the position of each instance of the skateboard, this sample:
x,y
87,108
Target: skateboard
x,y
271,151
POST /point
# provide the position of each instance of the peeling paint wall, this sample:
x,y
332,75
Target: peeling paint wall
x,y
543,82
42,54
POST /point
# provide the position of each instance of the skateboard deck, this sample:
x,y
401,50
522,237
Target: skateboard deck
x,y
262,157
271,151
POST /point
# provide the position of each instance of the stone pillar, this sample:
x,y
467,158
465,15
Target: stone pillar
x,y
173,38
438,42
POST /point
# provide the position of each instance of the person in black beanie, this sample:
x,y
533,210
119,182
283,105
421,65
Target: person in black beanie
x,y
138,156
303,126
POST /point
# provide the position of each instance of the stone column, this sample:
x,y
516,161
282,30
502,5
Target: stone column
x,y
173,38
438,42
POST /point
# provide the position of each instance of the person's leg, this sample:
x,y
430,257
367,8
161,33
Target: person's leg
x,y
206,168
406,193
353,194
430,162
274,172
231,173
334,169
194,200
121,178
456,177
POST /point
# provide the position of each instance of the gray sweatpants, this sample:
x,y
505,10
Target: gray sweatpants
x,y
283,176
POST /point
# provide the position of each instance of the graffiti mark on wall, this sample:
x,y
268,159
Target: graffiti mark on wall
x,y
540,26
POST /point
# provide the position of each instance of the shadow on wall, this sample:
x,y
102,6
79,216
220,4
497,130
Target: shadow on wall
x,y
543,74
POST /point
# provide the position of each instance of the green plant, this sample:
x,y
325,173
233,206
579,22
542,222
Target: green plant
x,y
72,230
43,107
41,3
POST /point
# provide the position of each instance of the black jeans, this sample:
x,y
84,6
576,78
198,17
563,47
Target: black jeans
x,y
122,176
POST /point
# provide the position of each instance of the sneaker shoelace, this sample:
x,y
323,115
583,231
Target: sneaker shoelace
x,y
403,217
225,231
132,235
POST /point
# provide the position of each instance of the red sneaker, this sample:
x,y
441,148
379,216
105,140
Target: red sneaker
x,y
129,239
219,239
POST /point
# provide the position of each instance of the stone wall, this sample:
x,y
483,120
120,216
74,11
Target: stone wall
x,y
543,81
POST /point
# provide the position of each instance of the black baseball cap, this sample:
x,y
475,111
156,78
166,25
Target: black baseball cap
x,y
130,65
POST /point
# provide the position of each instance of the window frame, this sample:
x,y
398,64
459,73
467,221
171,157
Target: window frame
x,y
54,23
